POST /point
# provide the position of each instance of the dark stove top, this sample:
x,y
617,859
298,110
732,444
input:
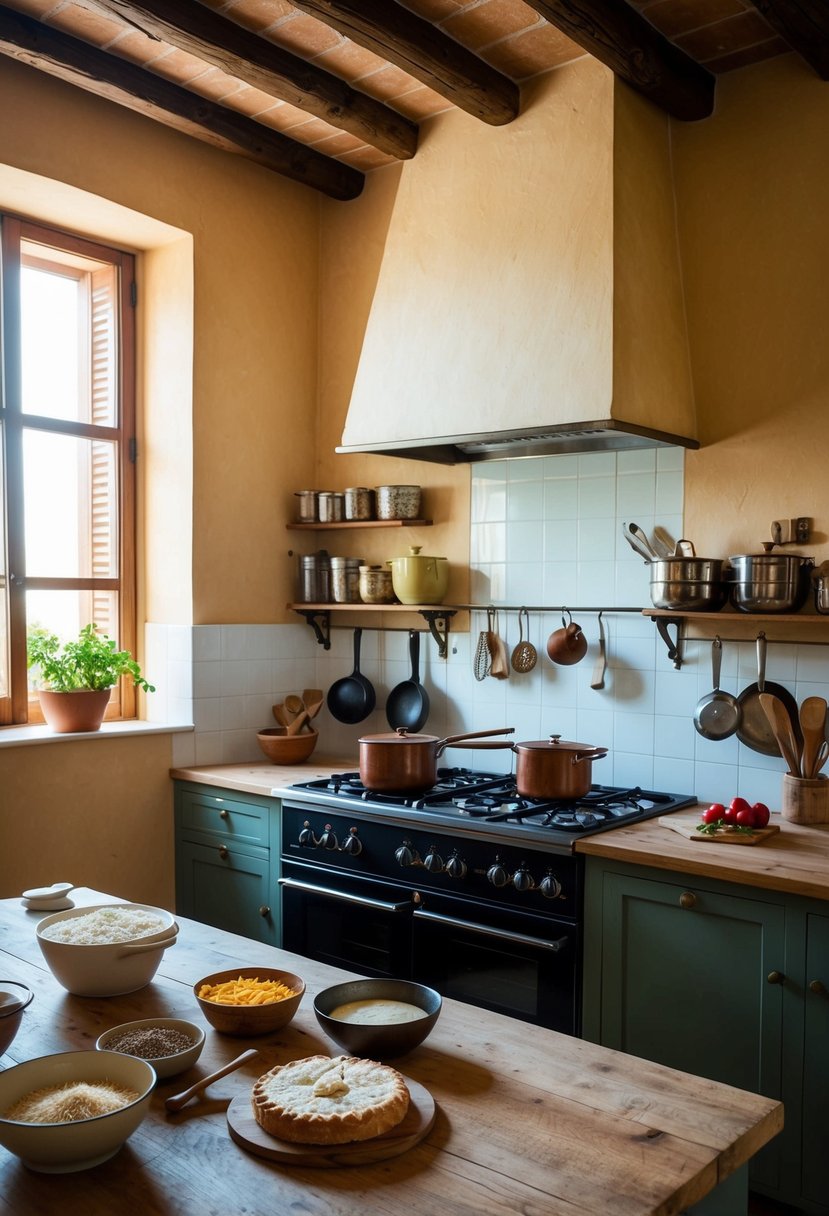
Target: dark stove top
x,y
468,797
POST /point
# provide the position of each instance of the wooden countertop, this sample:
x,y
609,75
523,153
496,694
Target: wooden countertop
x,y
795,860
261,779
528,1120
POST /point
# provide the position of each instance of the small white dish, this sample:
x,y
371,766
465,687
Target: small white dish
x,y
56,891
47,905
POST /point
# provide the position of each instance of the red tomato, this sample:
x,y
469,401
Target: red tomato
x,y
746,818
733,809
714,812
761,814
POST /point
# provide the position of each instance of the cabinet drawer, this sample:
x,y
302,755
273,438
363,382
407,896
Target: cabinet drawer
x,y
233,818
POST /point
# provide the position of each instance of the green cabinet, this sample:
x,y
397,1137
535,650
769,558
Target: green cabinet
x,y
726,982
225,862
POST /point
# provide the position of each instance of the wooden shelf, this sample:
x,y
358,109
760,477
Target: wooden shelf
x,y
805,628
319,526
360,607
437,617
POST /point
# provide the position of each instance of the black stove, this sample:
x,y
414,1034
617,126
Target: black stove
x,y
487,802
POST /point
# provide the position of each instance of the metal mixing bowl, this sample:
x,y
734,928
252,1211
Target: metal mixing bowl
x,y
688,584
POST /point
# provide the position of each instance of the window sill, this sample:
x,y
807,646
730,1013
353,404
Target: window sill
x,y
22,736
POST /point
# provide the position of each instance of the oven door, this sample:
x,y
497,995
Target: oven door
x,y
347,921
518,964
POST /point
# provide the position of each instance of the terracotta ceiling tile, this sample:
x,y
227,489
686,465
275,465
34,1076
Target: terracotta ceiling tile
x,y
537,50
176,65
97,28
672,17
349,61
33,8
338,142
137,47
255,14
420,102
309,131
252,102
725,36
750,54
435,10
490,21
305,36
287,116
388,81
367,158
215,85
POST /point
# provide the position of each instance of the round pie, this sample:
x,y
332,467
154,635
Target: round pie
x,y
325,1100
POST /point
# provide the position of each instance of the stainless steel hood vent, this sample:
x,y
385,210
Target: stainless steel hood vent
x,y
606,436
529,299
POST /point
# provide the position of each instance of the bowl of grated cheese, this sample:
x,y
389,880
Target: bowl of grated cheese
x,y
67,1112
249,1000
107,949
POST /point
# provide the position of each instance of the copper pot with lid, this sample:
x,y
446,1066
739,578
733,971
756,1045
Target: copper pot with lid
x,y
555,768
398,762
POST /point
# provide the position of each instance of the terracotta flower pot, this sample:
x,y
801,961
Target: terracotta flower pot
x,y
71,712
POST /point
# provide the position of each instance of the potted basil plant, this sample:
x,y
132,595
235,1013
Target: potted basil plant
x,y
78,676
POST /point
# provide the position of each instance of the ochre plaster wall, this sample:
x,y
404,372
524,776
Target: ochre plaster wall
x,y
96,814
753,195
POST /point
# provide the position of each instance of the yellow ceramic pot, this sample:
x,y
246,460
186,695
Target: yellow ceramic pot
x,y
419,580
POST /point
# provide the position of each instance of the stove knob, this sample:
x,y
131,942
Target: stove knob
x,y
549,886
328,840
497,875
306,836
406,855
352,843
456,866
433,861
522,880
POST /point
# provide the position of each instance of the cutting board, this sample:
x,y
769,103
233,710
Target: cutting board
x,y
249,1135
687,828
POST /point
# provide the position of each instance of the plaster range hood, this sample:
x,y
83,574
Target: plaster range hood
x,y
529,299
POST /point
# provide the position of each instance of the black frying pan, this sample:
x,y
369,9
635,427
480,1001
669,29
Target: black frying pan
x,y
408,702
352,698
755,729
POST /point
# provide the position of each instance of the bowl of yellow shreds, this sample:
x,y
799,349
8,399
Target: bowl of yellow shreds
x,y
249,1000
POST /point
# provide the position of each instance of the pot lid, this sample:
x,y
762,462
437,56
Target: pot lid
x,y
415,554
399,736
555,743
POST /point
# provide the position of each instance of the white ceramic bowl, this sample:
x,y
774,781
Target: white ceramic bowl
x,y
165,1066
111,969
61,1148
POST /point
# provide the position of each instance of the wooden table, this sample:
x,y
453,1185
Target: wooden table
x,y
529,1121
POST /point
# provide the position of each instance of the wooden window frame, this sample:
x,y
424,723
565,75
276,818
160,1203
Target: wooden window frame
x,y
19,708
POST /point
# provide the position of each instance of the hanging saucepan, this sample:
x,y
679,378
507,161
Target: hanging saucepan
x,y
755,729
554,768
407,705
718,714
403,763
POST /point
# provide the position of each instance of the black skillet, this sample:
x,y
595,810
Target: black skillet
x,y
352,698
755,729
408,702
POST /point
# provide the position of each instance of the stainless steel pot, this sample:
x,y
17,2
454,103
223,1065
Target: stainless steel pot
x,y
769,582
821,589
688,584
554,768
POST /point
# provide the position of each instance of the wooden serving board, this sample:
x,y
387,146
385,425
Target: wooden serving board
x,y
688,828
249,1135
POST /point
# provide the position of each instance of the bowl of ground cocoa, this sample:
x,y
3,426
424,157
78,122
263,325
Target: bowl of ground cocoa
x,y
171,1045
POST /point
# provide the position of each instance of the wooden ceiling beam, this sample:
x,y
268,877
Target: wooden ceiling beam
x,y
89,68
205,34
805,26
398,35
624,41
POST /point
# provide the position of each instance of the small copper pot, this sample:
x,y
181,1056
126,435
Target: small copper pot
x,y
403,763
554,768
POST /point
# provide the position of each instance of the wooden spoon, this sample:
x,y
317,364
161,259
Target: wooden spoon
x,y
783,731
294,704
313,699
298,722
177,1101
813,726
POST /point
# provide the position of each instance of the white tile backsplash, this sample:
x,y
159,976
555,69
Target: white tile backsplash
x,y
544,532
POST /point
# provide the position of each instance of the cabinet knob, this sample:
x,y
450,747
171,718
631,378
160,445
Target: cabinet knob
x,y
223,814
264,910
776,977
687,900
224,851
818,987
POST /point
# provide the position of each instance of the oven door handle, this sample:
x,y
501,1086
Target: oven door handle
x,y
310,889
517,939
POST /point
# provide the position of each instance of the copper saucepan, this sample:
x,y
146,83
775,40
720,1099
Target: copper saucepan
x,y
555,768
403,763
